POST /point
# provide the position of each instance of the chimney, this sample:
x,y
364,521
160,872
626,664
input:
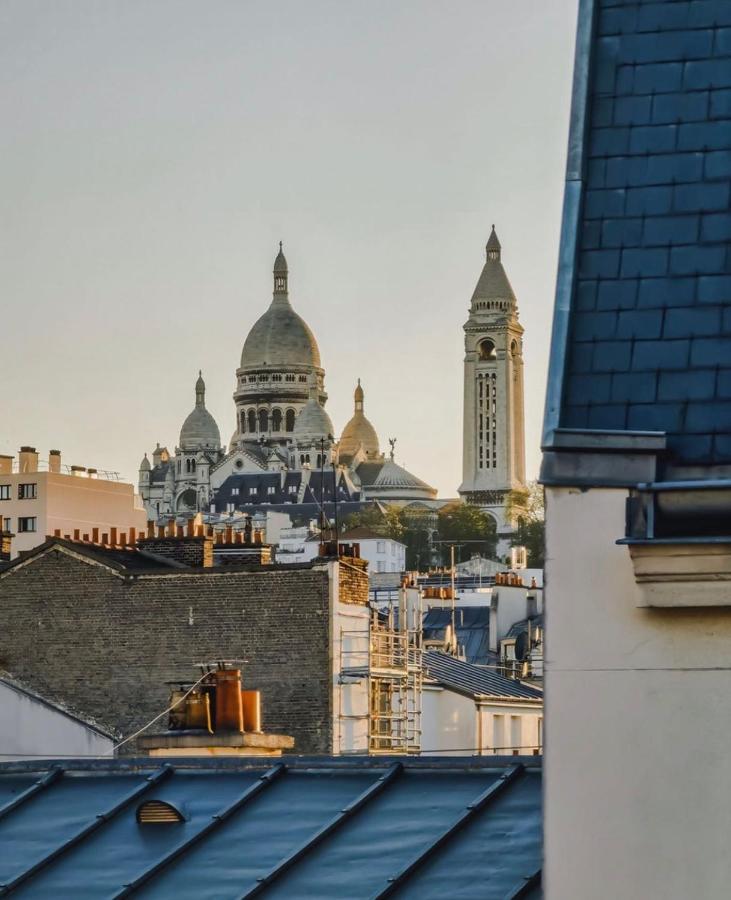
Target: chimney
x,y
28,459
6,541
215,718
531,605
54,461
6,464
77,470
194,552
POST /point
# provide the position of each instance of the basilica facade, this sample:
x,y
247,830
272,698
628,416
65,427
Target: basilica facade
x,y
283,449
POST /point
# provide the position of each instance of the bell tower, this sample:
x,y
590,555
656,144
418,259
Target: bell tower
x,y
493,457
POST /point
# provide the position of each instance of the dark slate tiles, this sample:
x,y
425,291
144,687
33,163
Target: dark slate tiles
x,y
650,338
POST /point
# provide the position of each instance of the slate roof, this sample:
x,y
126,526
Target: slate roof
x,y
472,626
473,630
642,329
261,482
317,827
475,681
122,560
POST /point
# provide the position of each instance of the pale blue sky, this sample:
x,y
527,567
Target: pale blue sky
x,y
155,151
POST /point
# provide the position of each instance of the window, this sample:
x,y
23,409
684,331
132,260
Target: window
x,y
303,379
6,524
271,489
486,349
27,491
289,420
252,491
234,492
289,377
4,491
252,379
276,377
277,420
251,416
515,734
27,523
381,547
381,566
263,421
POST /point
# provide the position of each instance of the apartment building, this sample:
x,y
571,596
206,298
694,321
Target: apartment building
x,y
38,498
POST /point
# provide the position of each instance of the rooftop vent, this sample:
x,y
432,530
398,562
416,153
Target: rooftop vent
x,y
157,812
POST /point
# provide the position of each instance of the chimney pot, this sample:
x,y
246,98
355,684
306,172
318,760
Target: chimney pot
x,y
85,538
113,536
179,532
95,535
54,461
105,538
77,534
150,528
123,538
133,535
57,532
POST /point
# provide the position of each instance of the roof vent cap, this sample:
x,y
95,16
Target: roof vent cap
x,y
158,812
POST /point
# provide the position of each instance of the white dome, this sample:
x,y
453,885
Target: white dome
x,y
199,430
312,423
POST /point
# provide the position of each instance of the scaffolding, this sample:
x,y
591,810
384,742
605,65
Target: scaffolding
x,y
389,659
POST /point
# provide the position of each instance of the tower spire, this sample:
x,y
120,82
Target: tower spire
x,y
492,248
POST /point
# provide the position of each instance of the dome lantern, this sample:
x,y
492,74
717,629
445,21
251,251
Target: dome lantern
x,y
281,274
359,433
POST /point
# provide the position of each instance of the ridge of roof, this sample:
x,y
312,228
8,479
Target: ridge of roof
x,y
475,681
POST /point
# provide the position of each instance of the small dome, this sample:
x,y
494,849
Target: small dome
x,y
312,423
393,475
359,432
199,430
145,464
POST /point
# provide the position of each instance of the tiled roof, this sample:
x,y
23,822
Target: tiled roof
x,y
649,326
317,827
118,558
472,627
475,680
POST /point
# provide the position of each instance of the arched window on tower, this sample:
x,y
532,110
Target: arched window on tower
x,y
486,349
251,415
243,422
192,465
277,420
289,420
263,421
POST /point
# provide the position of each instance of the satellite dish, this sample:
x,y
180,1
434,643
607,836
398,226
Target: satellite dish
x,y
521,646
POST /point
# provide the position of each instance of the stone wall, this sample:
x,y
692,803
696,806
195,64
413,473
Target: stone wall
x,y
106,645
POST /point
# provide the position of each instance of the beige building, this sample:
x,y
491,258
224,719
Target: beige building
x,y
39,498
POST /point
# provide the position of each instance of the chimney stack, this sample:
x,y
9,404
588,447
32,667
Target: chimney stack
x,y
54,461
6,542
28,459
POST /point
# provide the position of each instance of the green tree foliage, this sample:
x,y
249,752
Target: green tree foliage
x,y
527,510
388,521
468,525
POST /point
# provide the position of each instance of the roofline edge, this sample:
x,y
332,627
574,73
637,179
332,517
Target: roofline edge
x,y
572,206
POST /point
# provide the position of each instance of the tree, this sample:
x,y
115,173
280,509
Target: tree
x,y
388,521
527,509
460,523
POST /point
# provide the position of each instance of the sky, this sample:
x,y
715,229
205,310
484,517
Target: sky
x,y
154,152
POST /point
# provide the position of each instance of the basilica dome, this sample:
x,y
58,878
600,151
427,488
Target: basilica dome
x,y
359,432
312,423
280,337
199,430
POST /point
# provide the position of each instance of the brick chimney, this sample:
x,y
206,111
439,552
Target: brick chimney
x,y
195,551
54,461
6,464
28,459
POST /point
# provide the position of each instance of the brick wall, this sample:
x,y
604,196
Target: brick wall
x,y
353,581
106,645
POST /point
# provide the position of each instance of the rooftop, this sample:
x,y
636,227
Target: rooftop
x,y
642,324
475,681
364,827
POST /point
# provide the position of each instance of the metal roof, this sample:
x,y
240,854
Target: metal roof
x,y
301,827
642,322
475,680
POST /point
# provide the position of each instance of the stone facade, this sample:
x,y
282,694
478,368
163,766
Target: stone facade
x,y
105,642
494,438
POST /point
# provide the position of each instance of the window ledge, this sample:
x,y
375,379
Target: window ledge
x,y
682,572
